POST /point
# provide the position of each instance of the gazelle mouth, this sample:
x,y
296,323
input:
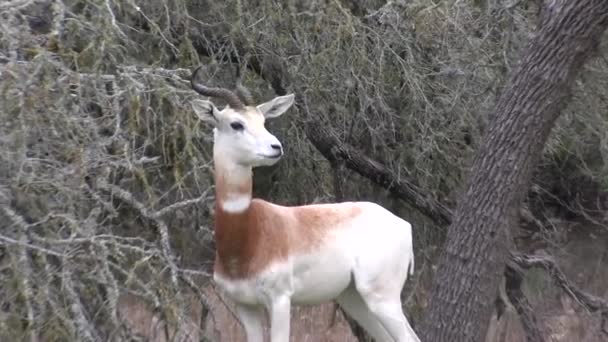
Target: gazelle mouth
x,y
274,156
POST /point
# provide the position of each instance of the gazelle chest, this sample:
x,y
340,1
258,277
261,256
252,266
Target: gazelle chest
x,y
309,278
257,289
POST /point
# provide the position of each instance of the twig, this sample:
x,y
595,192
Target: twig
x,y
78,311
15,4
24,266
205,196
163,230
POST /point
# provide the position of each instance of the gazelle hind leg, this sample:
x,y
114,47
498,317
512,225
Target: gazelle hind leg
x,y
390,315
381,291
350,300
251,318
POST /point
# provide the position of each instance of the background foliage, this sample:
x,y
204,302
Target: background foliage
x,y
106,176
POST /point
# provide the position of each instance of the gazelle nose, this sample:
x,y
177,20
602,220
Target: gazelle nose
x,y
276,146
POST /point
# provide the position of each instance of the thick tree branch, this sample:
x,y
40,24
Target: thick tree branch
x,y
588,301
329,145
514,279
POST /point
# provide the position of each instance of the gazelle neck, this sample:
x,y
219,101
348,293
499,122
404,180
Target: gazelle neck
x,y
233,185
233,189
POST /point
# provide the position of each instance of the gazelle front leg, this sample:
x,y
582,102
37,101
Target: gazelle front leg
x,y
279,309
251,319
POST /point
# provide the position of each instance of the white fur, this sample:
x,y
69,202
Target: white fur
x,y
237,203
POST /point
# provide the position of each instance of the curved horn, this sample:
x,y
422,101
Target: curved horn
x,y
231,98
244,94
241,91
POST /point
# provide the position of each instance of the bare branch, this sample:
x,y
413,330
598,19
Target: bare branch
x,y
163,230
514,280
586,300
331,148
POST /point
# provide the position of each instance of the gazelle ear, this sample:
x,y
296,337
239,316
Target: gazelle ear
x,y
276,106
205,110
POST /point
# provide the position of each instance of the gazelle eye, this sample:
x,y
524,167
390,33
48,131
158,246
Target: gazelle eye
x,y
237,126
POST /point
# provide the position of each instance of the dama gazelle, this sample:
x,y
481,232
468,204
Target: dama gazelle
x,y
270,256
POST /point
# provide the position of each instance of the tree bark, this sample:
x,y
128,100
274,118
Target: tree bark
x,y
472,263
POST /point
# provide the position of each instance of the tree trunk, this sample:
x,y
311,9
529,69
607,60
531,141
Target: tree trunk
x,y
473,261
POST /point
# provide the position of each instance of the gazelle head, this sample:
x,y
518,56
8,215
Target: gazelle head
x,y
239,135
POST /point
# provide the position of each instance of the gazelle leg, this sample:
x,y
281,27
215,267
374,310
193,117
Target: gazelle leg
x,y
279,310
350,300
390,314
251,318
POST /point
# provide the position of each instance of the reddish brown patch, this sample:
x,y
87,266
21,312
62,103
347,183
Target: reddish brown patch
x,y
248,242
312,222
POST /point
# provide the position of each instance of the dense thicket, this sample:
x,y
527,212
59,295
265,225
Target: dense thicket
x,y
105,183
